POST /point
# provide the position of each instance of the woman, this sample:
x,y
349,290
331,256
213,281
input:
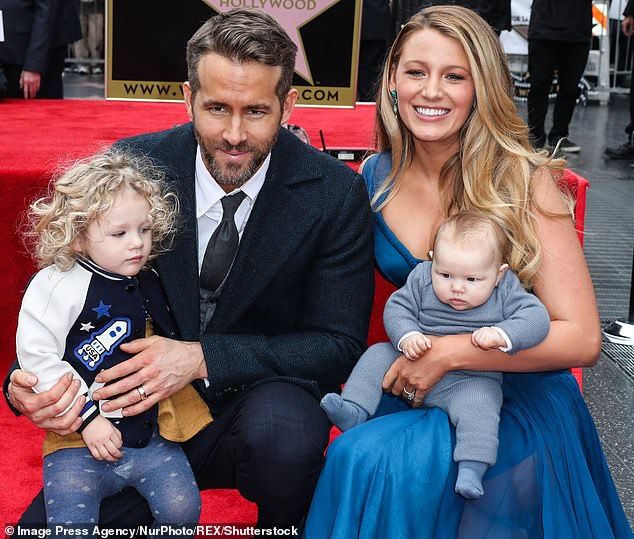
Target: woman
x,y
451,140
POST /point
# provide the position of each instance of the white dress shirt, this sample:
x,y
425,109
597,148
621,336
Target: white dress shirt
x,y
209,207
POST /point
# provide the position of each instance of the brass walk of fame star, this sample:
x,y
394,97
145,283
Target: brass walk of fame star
x,y
291,14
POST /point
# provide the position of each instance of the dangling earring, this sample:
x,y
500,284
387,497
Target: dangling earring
x,y
394,101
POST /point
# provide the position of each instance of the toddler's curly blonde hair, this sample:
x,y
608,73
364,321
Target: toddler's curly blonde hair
x,y
87,190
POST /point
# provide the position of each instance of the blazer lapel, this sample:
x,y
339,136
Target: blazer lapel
x,y
178,267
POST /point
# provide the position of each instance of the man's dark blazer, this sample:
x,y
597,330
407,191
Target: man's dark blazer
x,y
297,302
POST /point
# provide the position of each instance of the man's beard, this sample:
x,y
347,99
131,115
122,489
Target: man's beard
x,y
233,175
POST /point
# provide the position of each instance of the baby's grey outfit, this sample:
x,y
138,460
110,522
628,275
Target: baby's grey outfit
x,y
472,400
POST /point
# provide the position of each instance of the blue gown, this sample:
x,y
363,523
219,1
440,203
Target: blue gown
x,y
393,476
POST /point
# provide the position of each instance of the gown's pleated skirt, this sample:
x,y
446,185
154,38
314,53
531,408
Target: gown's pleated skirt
x,y
393,477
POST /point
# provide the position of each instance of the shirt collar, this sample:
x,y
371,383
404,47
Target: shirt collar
x,y
208,192
96,268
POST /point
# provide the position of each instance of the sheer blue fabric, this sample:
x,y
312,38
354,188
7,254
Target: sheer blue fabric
x,y
394,476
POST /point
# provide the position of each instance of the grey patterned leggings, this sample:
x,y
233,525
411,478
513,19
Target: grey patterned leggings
x,y
75,483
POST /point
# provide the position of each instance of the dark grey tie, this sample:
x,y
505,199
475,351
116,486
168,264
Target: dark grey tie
x,y
222,246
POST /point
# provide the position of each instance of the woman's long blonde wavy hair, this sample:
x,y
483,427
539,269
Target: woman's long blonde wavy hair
x,y
87,190
493,170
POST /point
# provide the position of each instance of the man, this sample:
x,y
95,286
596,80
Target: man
x,y
33,52
287,323
559,34
626,150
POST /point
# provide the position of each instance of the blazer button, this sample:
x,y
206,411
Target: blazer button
x,y
130,288
140,443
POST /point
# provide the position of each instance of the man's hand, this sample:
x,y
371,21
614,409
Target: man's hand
x,y
487,338
161,367
103,439
30,83
415,346
627,25
43,409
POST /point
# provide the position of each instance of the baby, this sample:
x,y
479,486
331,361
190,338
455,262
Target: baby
x,y
466,288
104,220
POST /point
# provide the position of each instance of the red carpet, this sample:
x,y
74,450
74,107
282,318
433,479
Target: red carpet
x,y
35,138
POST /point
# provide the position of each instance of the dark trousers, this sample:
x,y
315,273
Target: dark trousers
x,y
544,56
371,59
269,443
630,127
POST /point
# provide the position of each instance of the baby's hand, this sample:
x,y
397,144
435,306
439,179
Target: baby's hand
x,y
103,439
487,338
415,346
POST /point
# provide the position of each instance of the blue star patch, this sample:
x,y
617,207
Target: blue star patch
x,y
102,310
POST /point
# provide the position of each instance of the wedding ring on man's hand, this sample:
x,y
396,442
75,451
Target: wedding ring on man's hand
x,y
409,394
143,394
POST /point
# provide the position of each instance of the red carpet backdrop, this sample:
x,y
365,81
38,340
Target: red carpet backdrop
x,y
36,138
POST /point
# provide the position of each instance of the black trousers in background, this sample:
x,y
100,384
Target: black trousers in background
x,y
51,84
371,59
269,444
544,57
629,128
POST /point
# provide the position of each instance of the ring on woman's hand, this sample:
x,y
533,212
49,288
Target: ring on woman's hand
x,y
409,394
143,394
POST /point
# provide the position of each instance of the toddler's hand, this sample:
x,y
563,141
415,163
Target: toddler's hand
x,y
415,346
487,338
103,439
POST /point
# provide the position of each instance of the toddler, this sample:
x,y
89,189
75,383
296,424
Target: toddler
x,y
103,221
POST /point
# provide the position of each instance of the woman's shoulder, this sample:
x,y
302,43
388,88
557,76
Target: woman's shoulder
x,y
549,194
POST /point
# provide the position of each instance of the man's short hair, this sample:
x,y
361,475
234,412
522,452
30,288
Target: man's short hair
x,y
243,35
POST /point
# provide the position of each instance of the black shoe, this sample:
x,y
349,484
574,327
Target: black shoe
x,y
625,151
566,145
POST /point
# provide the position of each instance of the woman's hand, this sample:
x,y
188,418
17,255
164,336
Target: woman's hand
x,y
419,375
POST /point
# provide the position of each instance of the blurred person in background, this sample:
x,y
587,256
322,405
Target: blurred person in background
x,y
36,35
89,49
626,150
559,37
